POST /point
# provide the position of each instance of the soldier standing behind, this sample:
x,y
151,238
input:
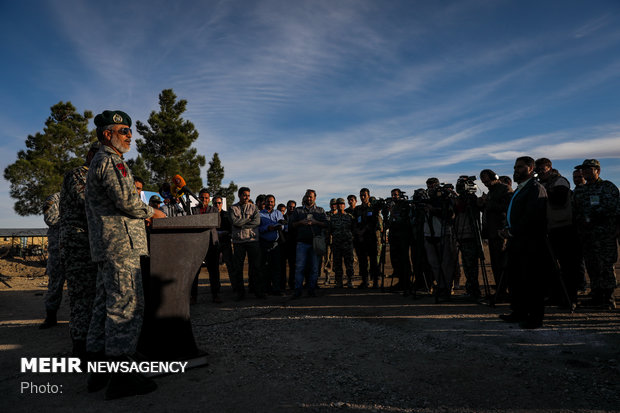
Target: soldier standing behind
x,y
367,223
80,270
55,272
117,237
597,208
341,230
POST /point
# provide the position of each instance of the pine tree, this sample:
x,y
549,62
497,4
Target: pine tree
x,y
215,175
166,148
138,168
39,170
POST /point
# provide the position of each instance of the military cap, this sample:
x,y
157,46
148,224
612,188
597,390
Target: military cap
x,y
155,198
112,117
332,201
340,201
590,163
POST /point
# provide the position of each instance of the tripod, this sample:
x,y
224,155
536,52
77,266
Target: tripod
x,y
474,224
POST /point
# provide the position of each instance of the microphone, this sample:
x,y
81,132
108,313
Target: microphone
x,y
179,187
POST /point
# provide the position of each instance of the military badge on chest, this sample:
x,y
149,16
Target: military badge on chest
x,y
121,167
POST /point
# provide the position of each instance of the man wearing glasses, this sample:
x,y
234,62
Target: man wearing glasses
x,y
213,254
117,237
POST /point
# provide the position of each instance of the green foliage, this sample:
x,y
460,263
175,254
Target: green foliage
x,y
39,170
166,149
215,175
138,168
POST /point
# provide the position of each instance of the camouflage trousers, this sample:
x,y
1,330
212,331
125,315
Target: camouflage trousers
x,y
56,281
343,252
81,275
119,307
600,253
469,257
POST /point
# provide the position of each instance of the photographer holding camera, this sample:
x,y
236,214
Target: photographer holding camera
x,y
467,230
439,240
494,207
399,237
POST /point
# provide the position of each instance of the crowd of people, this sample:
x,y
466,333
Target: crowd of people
x,y
542,239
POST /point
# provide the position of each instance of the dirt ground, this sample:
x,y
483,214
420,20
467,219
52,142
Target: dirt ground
x,y
345,350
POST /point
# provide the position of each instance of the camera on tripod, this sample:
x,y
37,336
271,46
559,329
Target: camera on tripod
x,y
442,192
466,185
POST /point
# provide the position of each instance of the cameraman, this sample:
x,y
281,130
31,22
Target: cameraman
x,y
439,239
422,271
399,237
494,208
467,229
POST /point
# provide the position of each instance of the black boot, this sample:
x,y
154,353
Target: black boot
x,y
97,381
50,320
128,384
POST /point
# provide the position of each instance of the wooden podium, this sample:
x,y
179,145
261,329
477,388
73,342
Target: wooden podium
x,y
178,247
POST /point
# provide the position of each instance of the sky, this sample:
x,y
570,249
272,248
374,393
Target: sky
x,y
330,95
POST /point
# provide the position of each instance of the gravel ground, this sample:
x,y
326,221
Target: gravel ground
x,y
346,350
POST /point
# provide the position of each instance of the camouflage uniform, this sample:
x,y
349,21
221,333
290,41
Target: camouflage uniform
x,y
80,270
341,231
117,237
597,207
368,224
55,272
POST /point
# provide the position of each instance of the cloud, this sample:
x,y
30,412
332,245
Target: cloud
x,y
593,25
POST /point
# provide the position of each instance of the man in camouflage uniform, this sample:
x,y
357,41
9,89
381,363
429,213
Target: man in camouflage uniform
x,y
368,223
597,208
117,238
327,259
341,231
80,270
55,272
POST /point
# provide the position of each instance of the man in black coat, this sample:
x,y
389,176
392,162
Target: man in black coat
x,y
528,254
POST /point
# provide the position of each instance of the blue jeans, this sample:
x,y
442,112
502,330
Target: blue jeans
x,y
304,253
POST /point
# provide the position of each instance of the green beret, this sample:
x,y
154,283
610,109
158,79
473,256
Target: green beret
x,y
112,117
591,163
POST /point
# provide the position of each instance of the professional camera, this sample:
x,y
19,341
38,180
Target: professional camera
x,y
443,192
466,185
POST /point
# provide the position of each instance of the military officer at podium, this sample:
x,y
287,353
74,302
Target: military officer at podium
x,y
117,239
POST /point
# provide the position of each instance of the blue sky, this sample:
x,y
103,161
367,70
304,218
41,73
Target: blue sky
x,y
330,95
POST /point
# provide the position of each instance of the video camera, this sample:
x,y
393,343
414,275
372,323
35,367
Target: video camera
x,y
466,185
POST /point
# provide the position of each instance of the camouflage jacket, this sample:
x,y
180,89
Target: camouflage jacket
x,y
51,216
114,210
368,223
72,209
341,228
597,204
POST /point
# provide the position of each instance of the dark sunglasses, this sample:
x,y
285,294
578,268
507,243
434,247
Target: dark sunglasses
x,y
123,131
219,202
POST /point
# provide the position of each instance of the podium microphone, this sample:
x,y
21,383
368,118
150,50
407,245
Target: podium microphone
x,y
179,187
